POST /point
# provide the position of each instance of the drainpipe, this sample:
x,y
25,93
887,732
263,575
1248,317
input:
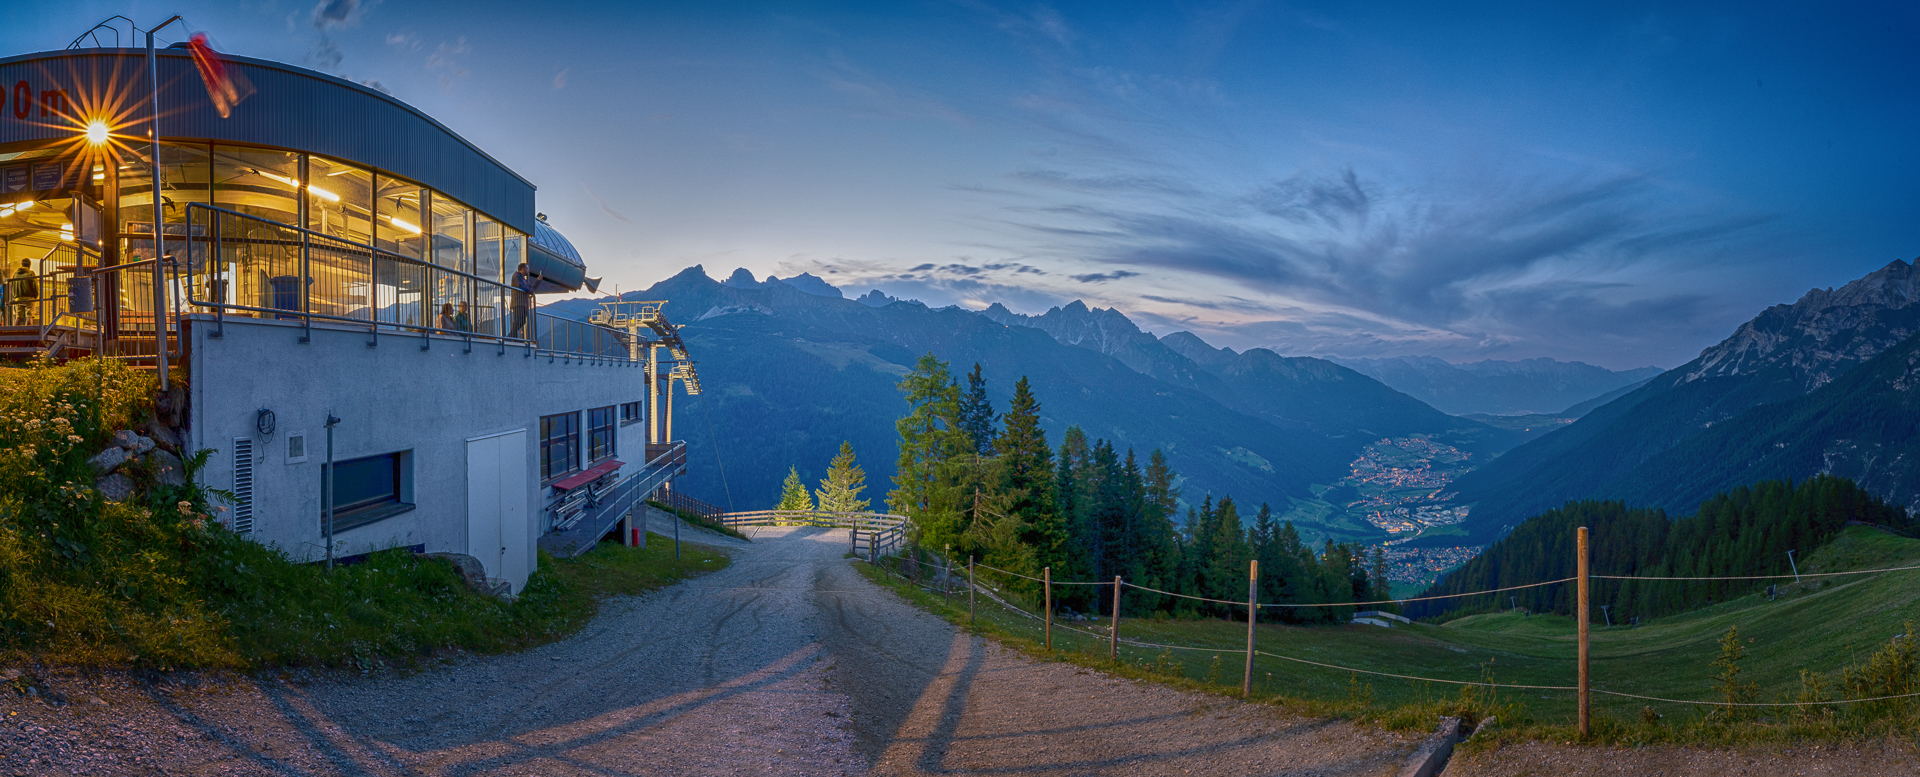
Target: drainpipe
x,y
326,487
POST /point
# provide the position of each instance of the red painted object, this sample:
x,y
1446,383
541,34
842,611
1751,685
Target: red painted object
x,y
591,474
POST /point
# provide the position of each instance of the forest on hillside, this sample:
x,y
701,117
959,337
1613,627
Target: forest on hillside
x,y
1744,532
991,486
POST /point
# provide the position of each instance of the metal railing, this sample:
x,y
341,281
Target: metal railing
x,y
873,534
582,530
238,265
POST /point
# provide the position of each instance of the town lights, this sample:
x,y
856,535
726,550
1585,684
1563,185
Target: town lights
x,y
96,132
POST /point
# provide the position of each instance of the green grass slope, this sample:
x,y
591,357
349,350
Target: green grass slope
x,y
1823,625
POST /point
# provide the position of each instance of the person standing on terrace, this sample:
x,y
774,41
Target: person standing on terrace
x,y
524,282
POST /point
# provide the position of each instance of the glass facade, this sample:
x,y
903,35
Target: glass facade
x,y
253,259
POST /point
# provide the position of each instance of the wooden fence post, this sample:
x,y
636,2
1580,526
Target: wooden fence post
x,y
1581,618
1046,581
1253,608
1113,636
946,575
969,590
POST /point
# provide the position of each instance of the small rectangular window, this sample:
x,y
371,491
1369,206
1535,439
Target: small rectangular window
x,y
630,413
600,437
559,445
370,488
296,447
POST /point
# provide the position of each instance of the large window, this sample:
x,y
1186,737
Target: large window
x,y
257,182
600,437
184,171
559,445
397,207
450,234
370,488
339,200
486,248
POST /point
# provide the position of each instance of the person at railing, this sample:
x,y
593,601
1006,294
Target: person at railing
x,y
446,315
524,283
463,320
23,290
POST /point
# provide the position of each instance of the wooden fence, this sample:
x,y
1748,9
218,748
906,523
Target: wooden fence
x,y
682,502
873,534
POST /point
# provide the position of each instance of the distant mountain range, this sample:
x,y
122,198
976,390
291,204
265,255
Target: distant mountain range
x,y
1533,386
1824,385
789,372
792,366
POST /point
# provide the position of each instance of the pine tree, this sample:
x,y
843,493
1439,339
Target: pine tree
x,y
840,491
930,438
1026,474
976,413
1227,570
793,496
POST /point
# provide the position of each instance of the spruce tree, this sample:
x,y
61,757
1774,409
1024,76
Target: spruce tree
x,y
1026,475
840,491
976,413
930,437
793,496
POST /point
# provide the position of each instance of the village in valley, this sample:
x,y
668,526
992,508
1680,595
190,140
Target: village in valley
x,y
1400,486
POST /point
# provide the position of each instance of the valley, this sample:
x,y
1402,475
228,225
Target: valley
x,y
1396,492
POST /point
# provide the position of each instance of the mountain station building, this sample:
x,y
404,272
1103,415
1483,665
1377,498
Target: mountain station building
x,y
335,283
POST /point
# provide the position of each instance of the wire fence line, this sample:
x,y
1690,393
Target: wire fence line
x,y
1115,640
1761,577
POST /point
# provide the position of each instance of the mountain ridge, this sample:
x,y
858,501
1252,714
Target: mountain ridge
x,y
1783,353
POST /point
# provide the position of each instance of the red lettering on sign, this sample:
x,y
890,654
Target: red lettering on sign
x,y
54,100
22,100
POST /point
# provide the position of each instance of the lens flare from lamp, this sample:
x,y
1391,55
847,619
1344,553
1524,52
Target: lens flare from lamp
x,y
96,132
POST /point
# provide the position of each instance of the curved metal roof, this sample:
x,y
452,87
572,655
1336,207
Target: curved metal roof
x,y
550,239
293,108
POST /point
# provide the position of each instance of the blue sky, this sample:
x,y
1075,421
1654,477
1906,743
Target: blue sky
x,y
1621,184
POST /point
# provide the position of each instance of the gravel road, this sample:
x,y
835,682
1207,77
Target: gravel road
x,y
786,662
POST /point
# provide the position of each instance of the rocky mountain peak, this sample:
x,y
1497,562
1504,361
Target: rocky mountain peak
x,y
1821,334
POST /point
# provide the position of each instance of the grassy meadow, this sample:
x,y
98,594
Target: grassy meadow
x,y
1822,625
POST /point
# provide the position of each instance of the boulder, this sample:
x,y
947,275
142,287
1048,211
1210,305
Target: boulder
x,y
115,487
109,460
471,572
167,470
124,438
164,436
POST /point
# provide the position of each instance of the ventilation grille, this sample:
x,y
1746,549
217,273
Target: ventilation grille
x,y
242,485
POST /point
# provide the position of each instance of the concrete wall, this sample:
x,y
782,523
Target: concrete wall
x,y
389,398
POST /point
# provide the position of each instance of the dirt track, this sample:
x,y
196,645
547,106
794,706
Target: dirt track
x,y
786,662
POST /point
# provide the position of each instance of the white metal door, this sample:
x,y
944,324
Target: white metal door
x,y
483,503
516,527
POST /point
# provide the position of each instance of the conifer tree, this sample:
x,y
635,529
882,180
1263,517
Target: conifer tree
x,y
976,413
793,496
1227,567
840,491
1026,474
1159,538
930,438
